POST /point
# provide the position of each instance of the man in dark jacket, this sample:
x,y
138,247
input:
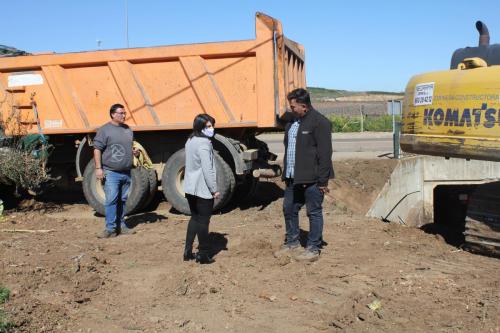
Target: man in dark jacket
x,y
307,169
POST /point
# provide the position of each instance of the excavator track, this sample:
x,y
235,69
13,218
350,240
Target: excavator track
x,y
482,223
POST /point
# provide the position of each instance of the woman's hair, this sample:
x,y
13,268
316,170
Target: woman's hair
x,y
199,123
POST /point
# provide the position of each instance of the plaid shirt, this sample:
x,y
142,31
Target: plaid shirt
x,y
290,150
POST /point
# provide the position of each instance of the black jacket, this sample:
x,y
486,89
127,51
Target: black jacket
x,y
313,150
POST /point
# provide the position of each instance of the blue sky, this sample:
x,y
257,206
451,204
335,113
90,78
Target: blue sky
x,y
353,45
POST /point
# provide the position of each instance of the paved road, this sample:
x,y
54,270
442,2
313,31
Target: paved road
x,y
345,145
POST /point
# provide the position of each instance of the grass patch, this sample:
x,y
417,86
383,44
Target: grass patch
x,y
5,325
345,124
4,294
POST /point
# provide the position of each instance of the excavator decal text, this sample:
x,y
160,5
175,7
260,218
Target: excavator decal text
x,y
469,117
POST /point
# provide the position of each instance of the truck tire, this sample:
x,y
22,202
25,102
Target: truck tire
x,y
226,183
153,188
93,190
139,190
173,179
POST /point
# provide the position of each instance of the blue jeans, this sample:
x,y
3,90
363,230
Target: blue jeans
x,y
296,195
116,186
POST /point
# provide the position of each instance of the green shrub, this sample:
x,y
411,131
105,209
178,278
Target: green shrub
x,y
4,294
379,123
344,124
23,163
5,325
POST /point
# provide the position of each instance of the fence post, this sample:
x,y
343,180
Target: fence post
x,y
362,117
395,138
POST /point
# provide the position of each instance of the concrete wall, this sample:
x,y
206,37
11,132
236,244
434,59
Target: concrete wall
x,y
409,192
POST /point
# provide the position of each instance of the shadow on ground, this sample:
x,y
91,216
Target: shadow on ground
x,y
147,217
218,243
265,194
452,235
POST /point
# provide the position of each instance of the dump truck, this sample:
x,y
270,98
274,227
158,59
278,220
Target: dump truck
x,y
455,113
242,84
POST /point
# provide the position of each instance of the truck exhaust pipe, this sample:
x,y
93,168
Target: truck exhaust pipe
x,y
484,34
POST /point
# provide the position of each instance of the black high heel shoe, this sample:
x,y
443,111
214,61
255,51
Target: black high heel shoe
x,y
203,258
188,255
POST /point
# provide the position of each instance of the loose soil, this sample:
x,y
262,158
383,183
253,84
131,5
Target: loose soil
x,y
371,276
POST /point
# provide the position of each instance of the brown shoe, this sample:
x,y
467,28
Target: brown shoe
x,y
107,234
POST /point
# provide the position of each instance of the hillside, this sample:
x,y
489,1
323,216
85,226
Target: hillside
x,y
352,103
337,95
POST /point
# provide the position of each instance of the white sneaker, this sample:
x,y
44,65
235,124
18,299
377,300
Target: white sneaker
x,y
286,250
307,255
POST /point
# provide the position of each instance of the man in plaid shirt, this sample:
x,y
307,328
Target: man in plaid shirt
x,y
290,150
308,167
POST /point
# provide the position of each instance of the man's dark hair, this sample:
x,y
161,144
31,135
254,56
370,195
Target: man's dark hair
x,y
200,122
115,107
300,96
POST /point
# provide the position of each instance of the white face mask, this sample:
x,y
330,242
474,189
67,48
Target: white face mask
x,y
208,131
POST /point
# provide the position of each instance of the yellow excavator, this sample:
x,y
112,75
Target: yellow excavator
x,y
456,113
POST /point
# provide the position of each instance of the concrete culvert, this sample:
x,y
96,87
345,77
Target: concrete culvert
x,y
454,198
93,190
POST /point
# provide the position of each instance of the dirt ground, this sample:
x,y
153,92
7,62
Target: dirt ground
x,y
67,280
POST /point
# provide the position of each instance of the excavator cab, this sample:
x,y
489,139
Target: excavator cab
x,y
456,112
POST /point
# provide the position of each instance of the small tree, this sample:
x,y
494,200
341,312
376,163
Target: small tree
x,y
24,168
23,157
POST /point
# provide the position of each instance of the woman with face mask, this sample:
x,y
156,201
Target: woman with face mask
x,y
200,186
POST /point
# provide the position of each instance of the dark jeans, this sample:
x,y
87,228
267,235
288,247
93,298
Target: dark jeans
x,y
296,195
201,211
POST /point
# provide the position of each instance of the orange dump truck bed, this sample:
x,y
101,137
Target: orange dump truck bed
x,y
240,83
